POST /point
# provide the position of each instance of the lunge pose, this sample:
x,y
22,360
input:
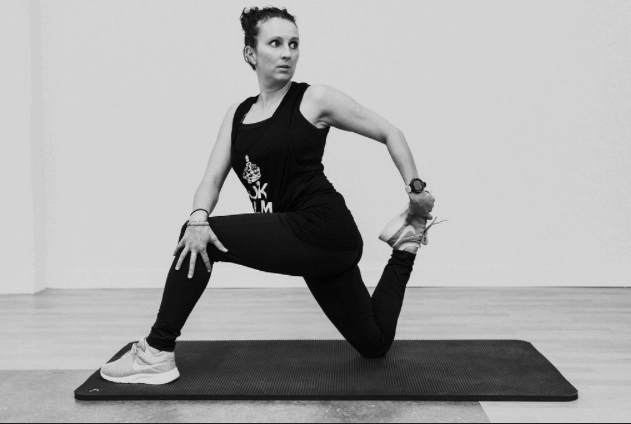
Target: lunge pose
x,y
300,225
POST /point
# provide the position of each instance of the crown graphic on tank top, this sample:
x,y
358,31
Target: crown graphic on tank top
x,y
252,172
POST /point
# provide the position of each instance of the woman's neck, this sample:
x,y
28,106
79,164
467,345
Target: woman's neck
x,y
271,96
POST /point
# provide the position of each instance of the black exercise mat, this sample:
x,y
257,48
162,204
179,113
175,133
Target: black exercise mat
x,y
437,370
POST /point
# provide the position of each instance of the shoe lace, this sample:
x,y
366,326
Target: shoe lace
x,y
423,235
134,350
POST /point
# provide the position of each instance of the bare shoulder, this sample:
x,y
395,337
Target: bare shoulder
x,y
313,107
325,98
232,109
323,91
316,92
335,108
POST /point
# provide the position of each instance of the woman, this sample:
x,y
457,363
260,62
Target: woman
x,y
300,226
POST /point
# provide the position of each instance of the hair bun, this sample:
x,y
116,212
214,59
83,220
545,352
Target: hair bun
x,y
249,12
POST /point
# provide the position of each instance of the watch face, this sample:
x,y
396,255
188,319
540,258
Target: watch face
x,y
418,186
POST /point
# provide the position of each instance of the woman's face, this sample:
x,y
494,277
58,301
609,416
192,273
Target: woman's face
x,y
277,45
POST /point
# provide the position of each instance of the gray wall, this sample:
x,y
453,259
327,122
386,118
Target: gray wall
x,y
22,161
516,112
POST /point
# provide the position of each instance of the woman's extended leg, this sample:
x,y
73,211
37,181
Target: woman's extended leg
x,y
256,240
369,324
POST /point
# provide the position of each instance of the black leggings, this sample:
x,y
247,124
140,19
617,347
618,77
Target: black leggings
x,y
261,241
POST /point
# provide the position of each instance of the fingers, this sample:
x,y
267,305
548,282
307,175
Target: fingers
x,y
181,259
431,201
191,268
195,249
206,259
179,245
214,240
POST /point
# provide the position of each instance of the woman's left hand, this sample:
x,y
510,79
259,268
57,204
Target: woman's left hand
x,y
421,204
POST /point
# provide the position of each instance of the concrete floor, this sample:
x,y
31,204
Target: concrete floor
x,y
55,403
53,341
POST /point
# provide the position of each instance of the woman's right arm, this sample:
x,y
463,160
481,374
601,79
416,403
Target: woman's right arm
x,y
217,170
195,239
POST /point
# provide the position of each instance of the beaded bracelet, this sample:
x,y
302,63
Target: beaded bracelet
x,y
198,224
200,209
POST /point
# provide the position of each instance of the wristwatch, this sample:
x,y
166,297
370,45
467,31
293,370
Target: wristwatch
x,y
416,186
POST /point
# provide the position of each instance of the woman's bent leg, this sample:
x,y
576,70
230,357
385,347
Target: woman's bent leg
x,y
256,240
368,324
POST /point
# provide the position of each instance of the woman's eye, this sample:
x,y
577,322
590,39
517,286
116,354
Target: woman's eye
x,y
276,41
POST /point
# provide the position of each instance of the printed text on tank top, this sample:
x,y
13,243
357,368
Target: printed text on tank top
x,y
307,109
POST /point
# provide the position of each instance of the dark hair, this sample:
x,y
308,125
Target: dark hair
x,y
250,18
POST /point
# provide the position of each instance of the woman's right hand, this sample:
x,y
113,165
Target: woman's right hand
x,y
421,204
195,240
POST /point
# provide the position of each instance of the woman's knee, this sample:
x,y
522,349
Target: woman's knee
x,y
376,349
214,254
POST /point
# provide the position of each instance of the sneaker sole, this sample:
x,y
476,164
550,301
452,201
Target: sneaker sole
x,y
162,378
393,226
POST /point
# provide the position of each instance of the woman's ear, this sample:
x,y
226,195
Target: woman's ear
x,y
251,55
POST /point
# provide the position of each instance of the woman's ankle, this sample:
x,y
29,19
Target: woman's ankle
x,y
155,350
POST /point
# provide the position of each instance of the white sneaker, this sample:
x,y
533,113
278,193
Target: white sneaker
x,y
400,234
142,365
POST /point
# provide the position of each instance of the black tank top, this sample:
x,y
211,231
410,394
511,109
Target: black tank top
x,y
279,162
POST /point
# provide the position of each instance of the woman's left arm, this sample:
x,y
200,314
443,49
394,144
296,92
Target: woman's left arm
x,y
341,111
